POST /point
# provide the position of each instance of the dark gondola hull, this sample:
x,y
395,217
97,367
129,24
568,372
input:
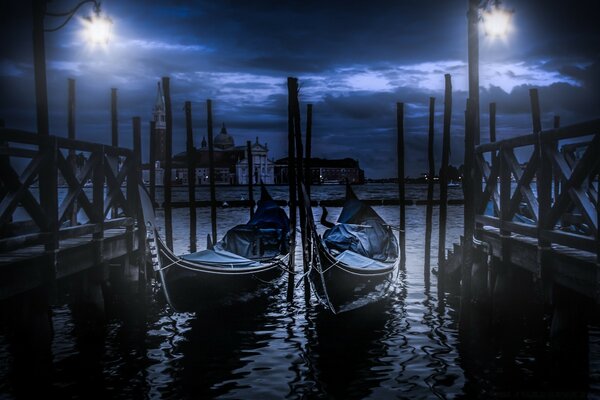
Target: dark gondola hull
x,y
190,287
341,288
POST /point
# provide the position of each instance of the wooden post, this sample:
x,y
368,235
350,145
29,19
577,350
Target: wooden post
x,y
444,174
71,111
492,122
556,182
401,187
113,118
431,174
167,168
48,184
473,54
133,181
300,180
98,180
250,178
292,187
211,171
39,65
469,207
114,137
71,135
152,172
137,144
544,178
191,171
307,171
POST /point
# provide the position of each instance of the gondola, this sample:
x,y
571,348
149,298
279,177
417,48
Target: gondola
x,y
237,269
353,263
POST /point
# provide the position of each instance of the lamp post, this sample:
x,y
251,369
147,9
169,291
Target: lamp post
x,y
496,24
98,27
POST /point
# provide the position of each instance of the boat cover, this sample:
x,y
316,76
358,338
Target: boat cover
x,y
220,258
359,261
264,236
371,238
361,230
355,212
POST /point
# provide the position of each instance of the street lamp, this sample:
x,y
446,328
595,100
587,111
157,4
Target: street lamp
x,y
496,20
98,31
496,24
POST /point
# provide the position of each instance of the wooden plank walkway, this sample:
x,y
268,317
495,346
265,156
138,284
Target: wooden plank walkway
x,y
72,229
27,268
571,268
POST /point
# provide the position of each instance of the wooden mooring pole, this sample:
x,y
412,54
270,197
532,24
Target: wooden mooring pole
x,y
444,176
191,172
167,168
211,171
544,178
71,134
469,208
300,180
430,179
114,126
556,182
307,171
292,191
114,138
152,157
401,186
250,177
137,264
492,122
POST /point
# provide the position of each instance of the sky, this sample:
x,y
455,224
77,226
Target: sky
x,y
354,60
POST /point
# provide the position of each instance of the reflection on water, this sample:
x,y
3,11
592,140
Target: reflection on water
x,y
409,346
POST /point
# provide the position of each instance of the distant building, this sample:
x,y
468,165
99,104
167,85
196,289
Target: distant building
x,y
230,163
160,127
324,171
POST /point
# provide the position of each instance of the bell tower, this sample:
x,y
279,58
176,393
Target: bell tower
x,y
158,116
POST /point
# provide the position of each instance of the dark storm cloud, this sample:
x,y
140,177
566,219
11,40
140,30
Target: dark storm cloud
x,y
354,59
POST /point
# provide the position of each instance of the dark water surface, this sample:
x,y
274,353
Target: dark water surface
x,y
409,346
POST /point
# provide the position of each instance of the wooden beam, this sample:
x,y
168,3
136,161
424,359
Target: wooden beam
x,y
401,183
444,171
191,171
211,171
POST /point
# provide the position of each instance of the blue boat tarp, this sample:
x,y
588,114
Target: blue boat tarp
x,y
371,238
221,258
355,211
264,236
252,242
269,215
356,260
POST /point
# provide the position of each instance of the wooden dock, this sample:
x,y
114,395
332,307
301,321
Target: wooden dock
x,y
537,208
47,233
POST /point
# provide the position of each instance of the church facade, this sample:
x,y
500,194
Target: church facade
x,y
230,161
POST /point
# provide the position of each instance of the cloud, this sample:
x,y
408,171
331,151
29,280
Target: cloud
x,y
354,62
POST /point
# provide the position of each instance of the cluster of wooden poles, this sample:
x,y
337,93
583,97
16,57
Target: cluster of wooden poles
x,y
299,173
298,167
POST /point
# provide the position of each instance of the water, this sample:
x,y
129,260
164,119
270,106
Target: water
x,y
409,346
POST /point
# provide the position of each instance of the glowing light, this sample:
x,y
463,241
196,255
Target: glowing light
x,y
496,22
97,30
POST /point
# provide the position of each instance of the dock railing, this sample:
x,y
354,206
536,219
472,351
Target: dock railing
x,y
544,186
92,183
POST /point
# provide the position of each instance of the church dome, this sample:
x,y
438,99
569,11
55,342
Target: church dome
x,y
223,140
